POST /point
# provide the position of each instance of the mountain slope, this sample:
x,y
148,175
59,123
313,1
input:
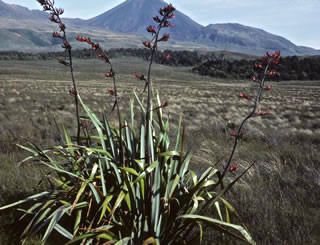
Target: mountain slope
x,y
125,26
133,16
18,12
245,39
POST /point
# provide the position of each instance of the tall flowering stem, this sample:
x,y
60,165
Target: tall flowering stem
x,y
166,13
264,69
113,92
48,6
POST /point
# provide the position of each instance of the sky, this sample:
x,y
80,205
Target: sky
x,y
296,20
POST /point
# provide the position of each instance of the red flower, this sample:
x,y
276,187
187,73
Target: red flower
x,y
151,29
275,57
56,34
262,113
73,92
147,44
53,19
171,16
268,54
170,8
166,57
61,61
164,38
264,59
79,38
165,104
62,26
109,74
247,97
104,57
258,66
141,77
157,19
59,11
168,24
254,79
268,87
234,167
235,134
95,46
111,91
272,73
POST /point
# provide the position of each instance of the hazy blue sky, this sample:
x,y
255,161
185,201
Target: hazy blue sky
x,y
297,20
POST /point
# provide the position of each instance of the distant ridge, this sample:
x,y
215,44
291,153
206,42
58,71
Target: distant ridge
x,y
125,25
18,12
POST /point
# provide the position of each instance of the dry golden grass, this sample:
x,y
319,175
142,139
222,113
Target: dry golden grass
x,y
279,195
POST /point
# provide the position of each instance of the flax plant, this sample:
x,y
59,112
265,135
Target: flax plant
x,y
129,184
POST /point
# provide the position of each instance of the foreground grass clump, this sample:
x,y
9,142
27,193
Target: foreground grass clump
x,y
123,182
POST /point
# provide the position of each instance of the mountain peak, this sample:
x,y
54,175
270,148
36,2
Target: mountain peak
x,y
133,16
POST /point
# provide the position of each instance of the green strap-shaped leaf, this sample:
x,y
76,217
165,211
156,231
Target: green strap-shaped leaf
x,y
42,194
69,142
63,231
123,241
130,170
208,220
105,207
54,219
82,189
169,154
77,222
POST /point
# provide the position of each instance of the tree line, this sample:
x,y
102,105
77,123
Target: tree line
x,y
289,68
207,64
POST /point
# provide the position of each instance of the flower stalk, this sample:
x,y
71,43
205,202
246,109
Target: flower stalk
x,y
48,6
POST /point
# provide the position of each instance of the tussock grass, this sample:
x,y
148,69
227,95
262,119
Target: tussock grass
x,y
280,194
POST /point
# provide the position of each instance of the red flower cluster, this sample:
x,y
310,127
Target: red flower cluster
x,y
268,87
141,77
109,74
151,29
167,11
156,19
234,134
234,167
258,66
166,57
168,24
274,57
147,44
247,97
164,38
254,79
48,5
61,61
111,91
164,104
95,46
103,57
57,34
73,92
262,113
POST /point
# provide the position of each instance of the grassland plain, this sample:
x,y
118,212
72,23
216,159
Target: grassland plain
x,y
278,199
